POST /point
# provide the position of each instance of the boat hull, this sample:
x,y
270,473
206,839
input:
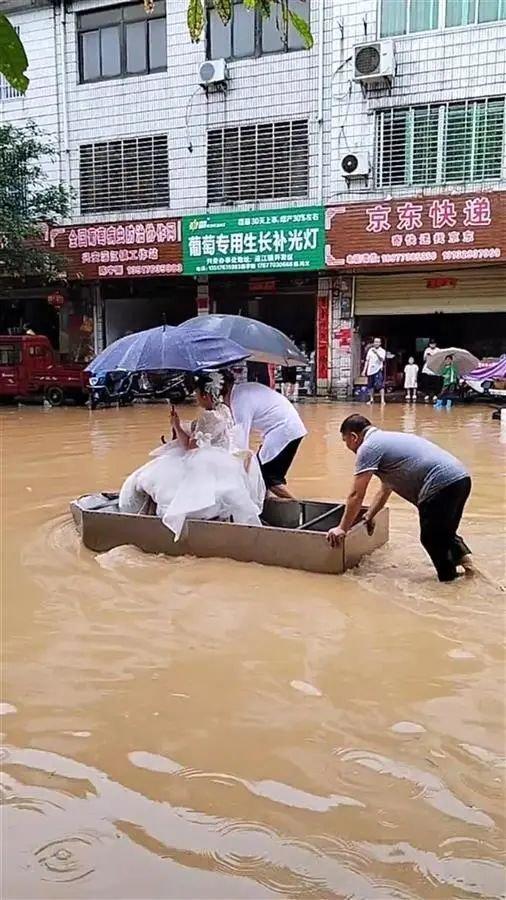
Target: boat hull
x,y
294,537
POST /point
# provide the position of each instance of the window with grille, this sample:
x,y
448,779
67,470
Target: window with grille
x,y
7,92
122,40
258,162
440,143
126,174
14,192
249,33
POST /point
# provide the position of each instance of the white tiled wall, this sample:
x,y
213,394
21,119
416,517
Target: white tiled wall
x,y
40,103
436,66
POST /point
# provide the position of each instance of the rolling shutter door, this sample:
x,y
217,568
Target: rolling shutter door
x,y
477,290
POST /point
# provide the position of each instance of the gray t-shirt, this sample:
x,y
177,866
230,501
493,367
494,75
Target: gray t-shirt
x,y
410,465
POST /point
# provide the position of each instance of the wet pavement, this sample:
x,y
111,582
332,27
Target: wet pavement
x,y
210,729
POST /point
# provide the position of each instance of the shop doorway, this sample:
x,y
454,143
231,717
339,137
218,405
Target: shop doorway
x,y
484,334
145,303
283,301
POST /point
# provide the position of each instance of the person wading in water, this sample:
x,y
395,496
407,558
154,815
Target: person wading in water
x,y
419,471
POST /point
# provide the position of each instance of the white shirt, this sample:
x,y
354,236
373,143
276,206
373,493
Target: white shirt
x,y
374,360
258,408
428,352
410,375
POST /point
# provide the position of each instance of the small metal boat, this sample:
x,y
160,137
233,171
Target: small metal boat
x,y
293,534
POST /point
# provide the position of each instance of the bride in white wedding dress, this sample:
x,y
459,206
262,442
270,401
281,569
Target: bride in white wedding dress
x,y
206,473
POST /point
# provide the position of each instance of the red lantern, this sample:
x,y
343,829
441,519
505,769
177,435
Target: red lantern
x,y
56,300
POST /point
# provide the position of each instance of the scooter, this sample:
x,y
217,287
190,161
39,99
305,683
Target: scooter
x,y
111,388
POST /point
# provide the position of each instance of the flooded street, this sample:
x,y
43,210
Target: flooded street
x,y
211,729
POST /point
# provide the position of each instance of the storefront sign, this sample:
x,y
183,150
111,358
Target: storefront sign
x,y
137,249
426,231
280,240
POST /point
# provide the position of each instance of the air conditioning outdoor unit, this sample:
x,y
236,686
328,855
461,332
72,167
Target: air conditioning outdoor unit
x,y
374,62
355,164
213,72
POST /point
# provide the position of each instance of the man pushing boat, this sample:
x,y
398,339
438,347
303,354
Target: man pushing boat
x,y
433,480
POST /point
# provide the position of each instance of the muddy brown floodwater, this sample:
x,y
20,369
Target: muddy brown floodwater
x,y
210,729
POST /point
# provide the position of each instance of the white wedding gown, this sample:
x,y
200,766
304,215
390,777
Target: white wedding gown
x,y
219,479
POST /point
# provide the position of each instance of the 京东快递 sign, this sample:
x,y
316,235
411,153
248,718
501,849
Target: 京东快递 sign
x,y
256,241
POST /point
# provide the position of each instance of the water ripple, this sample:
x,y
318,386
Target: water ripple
x,y
433,790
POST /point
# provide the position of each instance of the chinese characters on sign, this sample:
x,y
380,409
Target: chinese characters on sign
x,y
434,230
274,240
121,249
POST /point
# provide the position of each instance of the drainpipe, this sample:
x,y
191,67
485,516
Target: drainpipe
x,y
321,25
65,112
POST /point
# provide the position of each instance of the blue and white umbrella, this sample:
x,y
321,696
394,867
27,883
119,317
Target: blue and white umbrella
x,y
167,347
262,342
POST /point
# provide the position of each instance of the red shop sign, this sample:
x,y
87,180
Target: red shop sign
x,y
449,230
130,249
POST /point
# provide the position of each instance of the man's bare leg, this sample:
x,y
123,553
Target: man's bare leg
x,y
281,492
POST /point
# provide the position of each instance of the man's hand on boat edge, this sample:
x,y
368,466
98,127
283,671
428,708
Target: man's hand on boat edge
x,y
336,535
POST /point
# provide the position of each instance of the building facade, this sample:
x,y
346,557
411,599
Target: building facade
x,y
410,169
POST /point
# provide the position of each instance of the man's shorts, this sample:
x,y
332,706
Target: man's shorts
x,y
274,471
376,382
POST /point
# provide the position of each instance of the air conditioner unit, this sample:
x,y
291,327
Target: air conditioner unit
x,y
374,62
355,164
213,72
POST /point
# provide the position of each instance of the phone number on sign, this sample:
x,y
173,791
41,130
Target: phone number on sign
x,y
377,259
157,269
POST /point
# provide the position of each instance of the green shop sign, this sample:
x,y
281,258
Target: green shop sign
x,y
258,241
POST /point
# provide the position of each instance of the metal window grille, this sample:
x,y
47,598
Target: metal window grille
x,y
126,174
441,143
7,92
14,195
258,162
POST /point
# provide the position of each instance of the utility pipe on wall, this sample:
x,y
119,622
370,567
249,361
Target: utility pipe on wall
x,y
321,27
64,85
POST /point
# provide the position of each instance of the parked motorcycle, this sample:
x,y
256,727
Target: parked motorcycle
x,y
121,387
111,388
174,387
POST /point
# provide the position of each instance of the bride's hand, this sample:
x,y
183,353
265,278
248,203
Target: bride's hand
x,y
174,418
